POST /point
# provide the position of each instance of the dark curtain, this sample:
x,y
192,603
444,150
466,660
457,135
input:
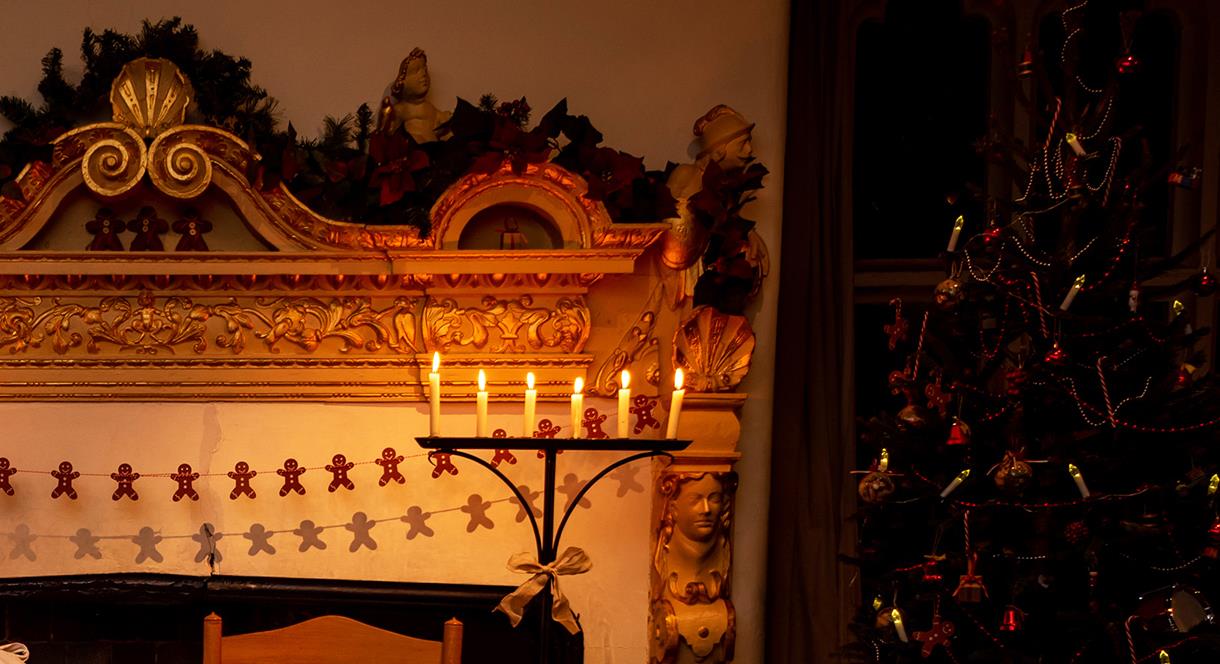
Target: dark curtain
x,y
809,592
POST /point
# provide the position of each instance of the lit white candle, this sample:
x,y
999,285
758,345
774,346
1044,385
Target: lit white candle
x,y
1079,479
883,463
1071,295
896,616
624,404
958,224
434,396
957,481
531,404
578,407
675,405
1073,142
480,407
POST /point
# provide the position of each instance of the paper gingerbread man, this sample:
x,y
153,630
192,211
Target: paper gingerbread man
x,y
6,472
546,429
339,465
593,424
642,407
241,476
291,472
125,477
191,228
148,228
65,475
185,479
105,230
389,467
441,464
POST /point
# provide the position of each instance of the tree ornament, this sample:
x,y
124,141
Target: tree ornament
x,y
876,486
1056,357
1212,548
938,398
898,330
912,417
1127,63
959,433
970,588
1076,532
1204,283
891,618
948,294
992,236
931,570
1133,298
1025,68
1015,379
1186,178
937,636
1014,474
1013,620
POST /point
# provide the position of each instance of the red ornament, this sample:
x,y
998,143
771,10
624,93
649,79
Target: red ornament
x,y
642,407
897,330
1057,357
291,472
338,467
970,588
65,475
593,424
1015,379
1013,620
1212,548
1076,532
1204,284
1025,68
959,433
186,483
5,474
389,467
991,236
442,463
937,636
125,477
241,476
1127,63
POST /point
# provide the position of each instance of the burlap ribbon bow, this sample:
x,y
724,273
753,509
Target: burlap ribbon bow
x,y
573,560
14,652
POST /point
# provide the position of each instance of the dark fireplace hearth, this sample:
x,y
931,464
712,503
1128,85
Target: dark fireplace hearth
x,y
158,619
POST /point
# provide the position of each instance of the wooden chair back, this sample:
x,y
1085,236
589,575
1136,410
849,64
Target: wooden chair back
x,y
328,640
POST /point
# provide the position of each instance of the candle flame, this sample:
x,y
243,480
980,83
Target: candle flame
x,y
1213,485
884,463
679,379
578,385
896,616
482,381
529,380
436,362
1162,657
1073,470
1079,283
959,223
625,379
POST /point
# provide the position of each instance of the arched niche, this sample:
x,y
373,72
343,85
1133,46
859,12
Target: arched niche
x,y
549,196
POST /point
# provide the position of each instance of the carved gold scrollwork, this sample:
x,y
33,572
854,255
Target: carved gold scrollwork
x,y
713,349
638,342
147,326
518,324
179,166
113,157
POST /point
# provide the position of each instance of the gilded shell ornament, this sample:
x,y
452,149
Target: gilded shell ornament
x,y
713,349
150,95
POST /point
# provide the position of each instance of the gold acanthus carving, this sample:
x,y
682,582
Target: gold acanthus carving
x,y
340,234
638,342
506,326
246,284
713,349
146,324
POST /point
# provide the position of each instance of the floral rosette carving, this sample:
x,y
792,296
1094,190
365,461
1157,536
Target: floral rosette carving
x,y
518,325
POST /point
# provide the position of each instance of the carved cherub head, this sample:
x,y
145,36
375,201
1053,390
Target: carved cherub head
x,y
412,82
698,508
725,137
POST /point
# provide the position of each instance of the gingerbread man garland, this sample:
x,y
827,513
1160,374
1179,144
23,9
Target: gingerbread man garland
x,y
185,479
593,424
642,407
65,475
291,472
441,464
241,476
339,465
6,472
501,456
389,467
125,477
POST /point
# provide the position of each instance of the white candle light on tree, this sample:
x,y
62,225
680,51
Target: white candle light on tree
x,y
578,407
1078,478
896,618
624,404
958,224
957,481
480,407
675,405
531,404
434,396
1072,292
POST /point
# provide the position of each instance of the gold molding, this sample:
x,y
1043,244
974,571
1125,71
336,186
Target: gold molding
x,y
713,349
503,326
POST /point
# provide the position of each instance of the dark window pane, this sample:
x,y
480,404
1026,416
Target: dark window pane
x,y
921,102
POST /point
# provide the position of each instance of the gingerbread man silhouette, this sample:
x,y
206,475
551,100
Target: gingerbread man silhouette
x,y
125,477
65,475
359,527
339,465
593,424
291,472
5,474
417,522
148,228
191,227
105,230
477,508
642,407
310,536
389,467
241,476
185,479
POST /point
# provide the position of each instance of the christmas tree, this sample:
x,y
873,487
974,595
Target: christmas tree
x,y
1046,489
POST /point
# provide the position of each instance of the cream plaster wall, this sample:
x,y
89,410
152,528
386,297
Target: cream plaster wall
x,y
642,70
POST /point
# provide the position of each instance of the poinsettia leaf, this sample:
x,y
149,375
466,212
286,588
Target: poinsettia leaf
x,y
552,122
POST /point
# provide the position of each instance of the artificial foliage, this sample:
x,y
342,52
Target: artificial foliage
x,y
1045,489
